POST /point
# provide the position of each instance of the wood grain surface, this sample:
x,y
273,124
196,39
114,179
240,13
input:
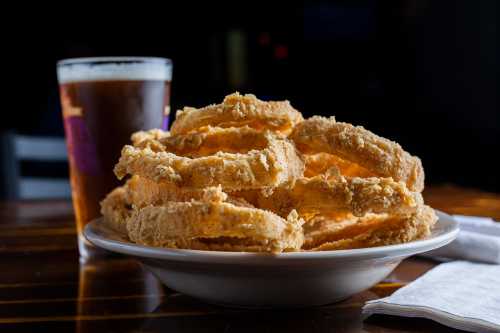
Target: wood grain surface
x,y
45,287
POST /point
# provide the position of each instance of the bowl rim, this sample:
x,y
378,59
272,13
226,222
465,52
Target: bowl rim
x,y
445,231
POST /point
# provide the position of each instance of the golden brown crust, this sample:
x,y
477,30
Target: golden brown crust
x,y
322,163
191,224
116,209
208,141
229,178
356,144
370,231
143,192
236,111
277,164
153,134
320,195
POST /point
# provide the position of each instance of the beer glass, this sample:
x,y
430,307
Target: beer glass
x,y
104,100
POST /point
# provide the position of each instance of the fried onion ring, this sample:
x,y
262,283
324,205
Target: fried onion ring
x,y
208,141
322,163
320,195
243,175
116,209
142,192
236,111
214,226
277,164
153,134
355,144
368,231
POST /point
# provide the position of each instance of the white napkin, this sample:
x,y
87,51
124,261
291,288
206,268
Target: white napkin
x,y
458,294
478,240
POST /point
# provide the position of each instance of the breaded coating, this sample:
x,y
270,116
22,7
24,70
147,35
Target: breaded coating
x,y
236,111
355,144
245,174
277,164
116,209
369,231
152,134
210,140
143,192
322,163
320,195
215,225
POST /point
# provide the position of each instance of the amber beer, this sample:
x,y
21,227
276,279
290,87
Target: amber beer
x,y
105,100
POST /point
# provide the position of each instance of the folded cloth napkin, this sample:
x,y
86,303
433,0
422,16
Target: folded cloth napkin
x,y
478,240
458,294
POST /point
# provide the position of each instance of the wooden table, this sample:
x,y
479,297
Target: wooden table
x,y
44,287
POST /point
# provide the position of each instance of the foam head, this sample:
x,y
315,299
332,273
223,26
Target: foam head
x,y
113,68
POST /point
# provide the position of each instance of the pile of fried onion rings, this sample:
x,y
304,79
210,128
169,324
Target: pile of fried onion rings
x,y
250,175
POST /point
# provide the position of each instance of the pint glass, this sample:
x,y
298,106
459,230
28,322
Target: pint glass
x,y
105,100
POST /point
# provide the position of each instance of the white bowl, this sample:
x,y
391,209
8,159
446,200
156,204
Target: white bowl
x,y
296,279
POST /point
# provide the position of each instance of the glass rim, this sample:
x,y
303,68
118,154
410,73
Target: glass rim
x,y
112,59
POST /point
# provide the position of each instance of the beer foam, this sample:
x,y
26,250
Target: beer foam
x,y
103,69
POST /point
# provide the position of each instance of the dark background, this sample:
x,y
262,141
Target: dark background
x,y
423,73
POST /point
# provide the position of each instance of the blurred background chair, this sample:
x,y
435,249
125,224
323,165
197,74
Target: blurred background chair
x,y
33,167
